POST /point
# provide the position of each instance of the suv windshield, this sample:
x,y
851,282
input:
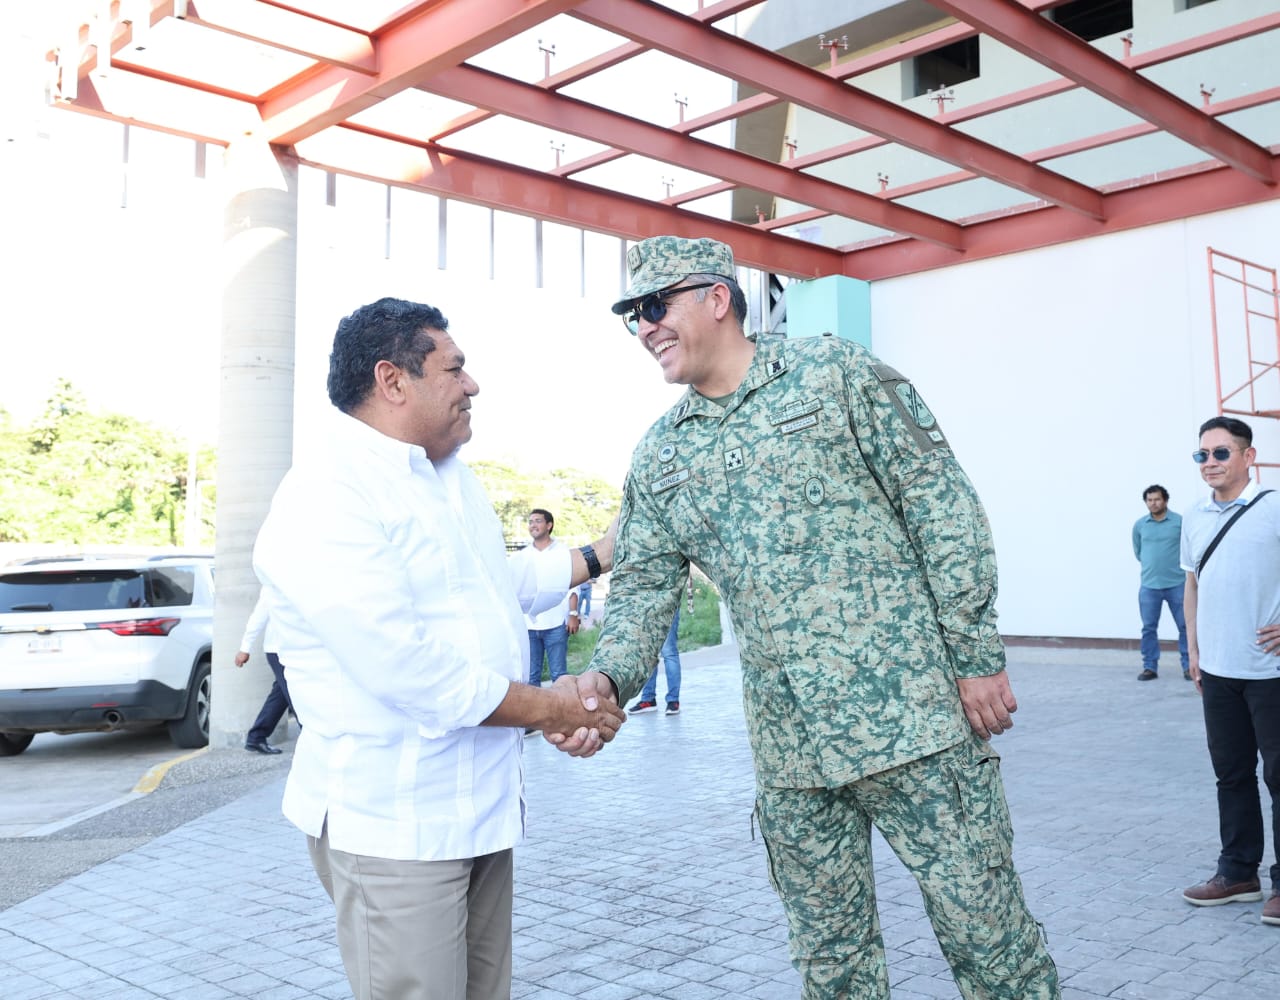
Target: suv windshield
x,y
79,590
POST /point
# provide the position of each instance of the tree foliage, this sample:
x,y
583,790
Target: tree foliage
x,y
76,477
583,505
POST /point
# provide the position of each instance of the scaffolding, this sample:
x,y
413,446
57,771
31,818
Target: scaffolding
x,y
1244,301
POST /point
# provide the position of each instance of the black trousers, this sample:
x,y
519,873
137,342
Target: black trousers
x,y
274,707
1242,721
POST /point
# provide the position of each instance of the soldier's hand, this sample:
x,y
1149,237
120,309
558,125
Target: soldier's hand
x,y
595,692
988,703
1269,639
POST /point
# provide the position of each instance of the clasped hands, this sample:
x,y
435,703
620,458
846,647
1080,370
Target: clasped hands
x,y
588,714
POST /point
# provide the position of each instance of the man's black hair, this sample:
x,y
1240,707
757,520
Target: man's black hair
x,y
387,330
1238,429
546,515
1156,488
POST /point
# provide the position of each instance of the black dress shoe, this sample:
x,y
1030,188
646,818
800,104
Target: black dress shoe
x,y
261,746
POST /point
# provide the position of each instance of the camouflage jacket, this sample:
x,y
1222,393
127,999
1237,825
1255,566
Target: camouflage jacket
x,y
851,549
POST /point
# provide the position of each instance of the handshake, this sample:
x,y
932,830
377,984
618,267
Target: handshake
x,y
583,713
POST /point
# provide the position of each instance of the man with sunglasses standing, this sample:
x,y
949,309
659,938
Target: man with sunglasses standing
x,y
814,487
1231,553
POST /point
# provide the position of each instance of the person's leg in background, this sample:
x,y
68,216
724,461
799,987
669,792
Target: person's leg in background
x,y
671,665
269,716
1149,602
1173,596
557,642
536,648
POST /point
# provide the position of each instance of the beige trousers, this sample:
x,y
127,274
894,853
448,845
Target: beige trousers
x,y
420,930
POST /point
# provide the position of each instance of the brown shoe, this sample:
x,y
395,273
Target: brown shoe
x,y
1271,912
1218,890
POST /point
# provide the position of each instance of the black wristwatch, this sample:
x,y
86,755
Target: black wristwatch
x,y
593,564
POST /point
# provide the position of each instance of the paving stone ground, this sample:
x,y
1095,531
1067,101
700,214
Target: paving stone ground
x,y
641,877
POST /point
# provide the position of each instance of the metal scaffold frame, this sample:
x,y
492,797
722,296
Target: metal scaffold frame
x,y
1257,323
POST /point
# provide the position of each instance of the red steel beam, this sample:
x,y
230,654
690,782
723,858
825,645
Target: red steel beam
x,y
453,174
1242,103
582,70
924,43
724,54
290,30
1060,50
435,35
1208,187
564,114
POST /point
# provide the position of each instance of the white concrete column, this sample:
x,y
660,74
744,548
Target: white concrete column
x,y
255,420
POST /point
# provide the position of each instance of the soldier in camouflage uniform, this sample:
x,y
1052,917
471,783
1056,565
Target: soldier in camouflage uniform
x,y
814,487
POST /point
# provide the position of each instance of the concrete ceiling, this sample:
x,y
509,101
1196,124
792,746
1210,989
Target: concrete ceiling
x,y
409,94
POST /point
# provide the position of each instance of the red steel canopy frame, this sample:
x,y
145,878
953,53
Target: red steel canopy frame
x,y
313,71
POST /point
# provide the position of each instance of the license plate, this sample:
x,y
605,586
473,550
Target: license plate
x,y
45,644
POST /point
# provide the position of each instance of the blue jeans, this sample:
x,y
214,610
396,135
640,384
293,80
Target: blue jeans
x,y
584,601
671,663
1149,601
555,643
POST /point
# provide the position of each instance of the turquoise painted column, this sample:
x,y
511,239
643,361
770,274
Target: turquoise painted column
x,y
834,304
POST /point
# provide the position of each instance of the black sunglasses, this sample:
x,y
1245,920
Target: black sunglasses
x,y
653,306
1219,454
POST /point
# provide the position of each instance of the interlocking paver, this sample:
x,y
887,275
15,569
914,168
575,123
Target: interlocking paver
x,y
643,878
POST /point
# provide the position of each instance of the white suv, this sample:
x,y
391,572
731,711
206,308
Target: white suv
x,y
95,644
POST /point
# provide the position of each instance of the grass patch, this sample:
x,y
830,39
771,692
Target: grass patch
x,y
702,628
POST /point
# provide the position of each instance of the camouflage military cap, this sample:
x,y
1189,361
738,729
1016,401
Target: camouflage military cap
x,y
660,261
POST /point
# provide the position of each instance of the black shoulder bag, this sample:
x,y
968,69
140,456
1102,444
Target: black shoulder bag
x,y
1225,528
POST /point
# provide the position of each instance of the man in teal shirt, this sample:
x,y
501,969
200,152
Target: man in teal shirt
x,y
1156,538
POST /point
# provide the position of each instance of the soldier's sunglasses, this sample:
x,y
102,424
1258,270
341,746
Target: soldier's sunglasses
x,y
653,307
1219,454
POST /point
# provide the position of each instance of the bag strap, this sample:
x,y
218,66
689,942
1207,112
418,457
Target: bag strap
x,y
1225,528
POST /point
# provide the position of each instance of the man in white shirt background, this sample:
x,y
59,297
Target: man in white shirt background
x,y
402,623
549,630
277,700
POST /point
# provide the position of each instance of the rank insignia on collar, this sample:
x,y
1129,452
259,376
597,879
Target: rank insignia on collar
x,y
733,459
682,409
776,366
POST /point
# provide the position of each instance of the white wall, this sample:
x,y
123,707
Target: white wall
x,y
1068,379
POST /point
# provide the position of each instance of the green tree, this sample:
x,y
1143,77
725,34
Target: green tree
x,y
79,478
583,504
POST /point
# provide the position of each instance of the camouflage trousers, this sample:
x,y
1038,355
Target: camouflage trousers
x,y
946,818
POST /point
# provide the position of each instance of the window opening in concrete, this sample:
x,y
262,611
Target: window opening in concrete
x,y
1090,19
943,67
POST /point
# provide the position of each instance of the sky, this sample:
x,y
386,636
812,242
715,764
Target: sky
x,y
114,283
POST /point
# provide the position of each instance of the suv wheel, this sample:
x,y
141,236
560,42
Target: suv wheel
x,y
12,744
192,730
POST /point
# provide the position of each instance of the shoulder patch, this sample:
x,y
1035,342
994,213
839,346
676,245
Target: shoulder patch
x,y
886,373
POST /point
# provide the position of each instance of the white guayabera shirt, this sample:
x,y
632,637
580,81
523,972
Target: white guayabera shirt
x,y
401,624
